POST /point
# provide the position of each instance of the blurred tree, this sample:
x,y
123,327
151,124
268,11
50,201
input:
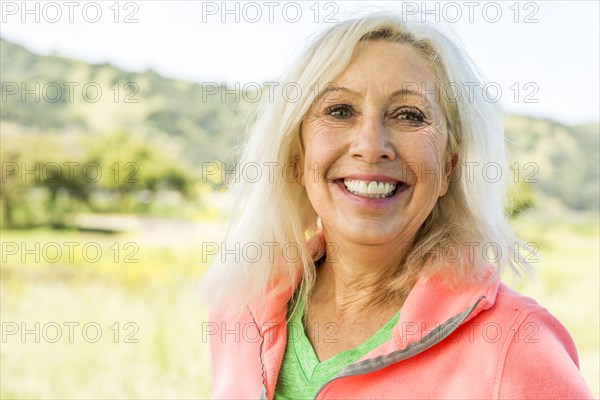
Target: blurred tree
x,y
47,178
131,164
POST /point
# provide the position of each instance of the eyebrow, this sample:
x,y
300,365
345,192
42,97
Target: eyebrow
x,y
334,89
398,93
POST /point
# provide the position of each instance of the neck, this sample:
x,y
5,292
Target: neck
x,y
355,278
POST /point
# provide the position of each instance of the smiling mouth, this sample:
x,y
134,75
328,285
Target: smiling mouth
x,y
372,189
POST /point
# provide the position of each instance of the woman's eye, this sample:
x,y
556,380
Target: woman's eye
x,y
409,114
340,111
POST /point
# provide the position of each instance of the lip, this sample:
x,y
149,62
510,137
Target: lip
x,y
376,204
368,177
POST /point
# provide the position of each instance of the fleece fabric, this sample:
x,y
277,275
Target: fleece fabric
x,y
481,342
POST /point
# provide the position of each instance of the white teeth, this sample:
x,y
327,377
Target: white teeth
x,y
362,187
372,189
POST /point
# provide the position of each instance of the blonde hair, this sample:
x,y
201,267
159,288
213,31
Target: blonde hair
x,y
273,214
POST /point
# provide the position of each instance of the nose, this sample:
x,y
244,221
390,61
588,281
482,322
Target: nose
x,y
371,142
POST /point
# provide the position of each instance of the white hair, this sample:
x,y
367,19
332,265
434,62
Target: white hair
x,y
272,216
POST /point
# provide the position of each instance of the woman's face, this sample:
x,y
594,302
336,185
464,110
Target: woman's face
x,y
375,160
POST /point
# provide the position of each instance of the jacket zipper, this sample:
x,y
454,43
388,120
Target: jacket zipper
x,y
263,391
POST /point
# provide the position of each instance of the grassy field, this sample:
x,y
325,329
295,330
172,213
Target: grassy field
x,y
126,323
128,329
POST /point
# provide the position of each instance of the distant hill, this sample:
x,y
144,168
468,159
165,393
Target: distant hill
x,y
566,158
207,126
135,102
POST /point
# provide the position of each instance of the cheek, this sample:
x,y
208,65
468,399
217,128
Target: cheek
x,y
320,157
423,156
420,147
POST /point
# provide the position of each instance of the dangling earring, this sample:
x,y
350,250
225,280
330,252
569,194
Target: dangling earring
x,y
319,224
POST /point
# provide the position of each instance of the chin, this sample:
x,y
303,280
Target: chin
x,y
371,235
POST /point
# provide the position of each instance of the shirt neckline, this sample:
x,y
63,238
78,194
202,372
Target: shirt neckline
x,y
305,354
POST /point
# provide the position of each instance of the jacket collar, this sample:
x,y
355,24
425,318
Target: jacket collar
x,y
431,302
273,311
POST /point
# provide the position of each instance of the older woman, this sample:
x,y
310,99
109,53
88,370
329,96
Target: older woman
x,y
395,293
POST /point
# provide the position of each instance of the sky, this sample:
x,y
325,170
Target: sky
x,y
542,58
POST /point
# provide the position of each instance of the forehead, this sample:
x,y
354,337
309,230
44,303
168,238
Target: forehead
x,y
388,67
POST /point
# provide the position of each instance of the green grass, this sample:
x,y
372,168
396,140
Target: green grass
x,y
155,351
165,356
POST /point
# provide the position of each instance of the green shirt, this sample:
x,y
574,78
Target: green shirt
x,y
302,374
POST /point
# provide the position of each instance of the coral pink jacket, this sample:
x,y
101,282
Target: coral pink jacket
x,y
485,342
